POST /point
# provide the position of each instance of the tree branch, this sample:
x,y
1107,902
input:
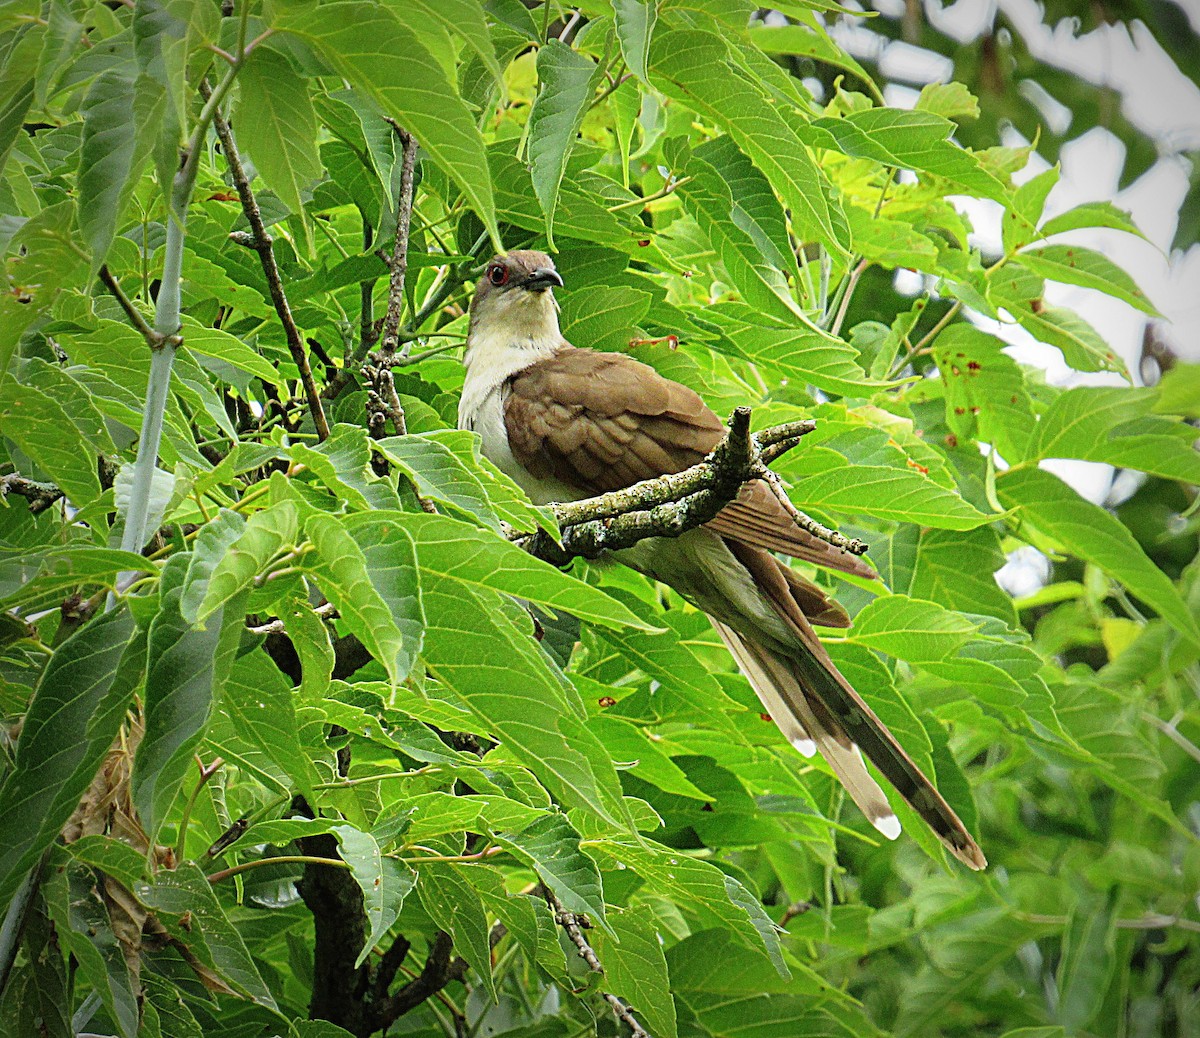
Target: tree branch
x,y
671,505
398,264
260,241
39,495
571,924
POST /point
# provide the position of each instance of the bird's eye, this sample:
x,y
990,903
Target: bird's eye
x,y
497,274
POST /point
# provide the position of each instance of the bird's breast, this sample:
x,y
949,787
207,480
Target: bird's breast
x,y
487,419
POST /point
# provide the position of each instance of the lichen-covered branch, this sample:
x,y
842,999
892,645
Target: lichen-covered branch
x,y
260,241
398,263
39,495
571,923
680,501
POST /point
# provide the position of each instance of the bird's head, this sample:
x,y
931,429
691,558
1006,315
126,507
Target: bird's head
x,y
515,294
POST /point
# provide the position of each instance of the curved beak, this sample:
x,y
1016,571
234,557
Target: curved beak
x,y
542,278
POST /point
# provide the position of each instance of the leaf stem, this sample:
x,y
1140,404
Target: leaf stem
x,y
206,772
282,859
643,200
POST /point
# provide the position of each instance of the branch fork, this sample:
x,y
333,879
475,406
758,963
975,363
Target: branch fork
x,y
670,505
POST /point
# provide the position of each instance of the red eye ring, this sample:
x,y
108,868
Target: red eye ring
x,y
497,274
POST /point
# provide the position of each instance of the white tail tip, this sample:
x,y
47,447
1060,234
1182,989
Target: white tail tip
x,y
889,825
806,747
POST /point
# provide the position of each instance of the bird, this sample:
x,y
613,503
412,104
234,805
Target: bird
x,y
567,423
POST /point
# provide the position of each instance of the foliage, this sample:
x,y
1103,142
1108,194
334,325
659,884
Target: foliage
x,y
326,650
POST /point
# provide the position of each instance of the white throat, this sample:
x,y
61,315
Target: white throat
x,y
508,334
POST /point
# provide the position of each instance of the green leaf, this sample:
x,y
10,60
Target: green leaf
x,y
504,680
986,397
184,666
949,100
212,543
635,969
240,559
1019,226
35,421
755,209
343,464
384,882
260,703
1087,964
715,898
696,68
731,233
384,59
441,465
71,566
904,495
634,749
164,1008
84,927
187,904
604,317
212,342
1053,510
112,856
911,628
451,548
635,26
1179,391
550,845
809,42
957,567
465,18
277,126
77,708
105,159
340,566
1073,265
891,243
1020,292
1092,214
1114,425
797,354
911,140
567,81
453,904
392,568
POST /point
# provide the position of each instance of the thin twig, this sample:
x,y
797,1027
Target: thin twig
x,y
277,626
1149,921
1174,734
918,349
571,923
207,771
644,200
262,244
844,305
153,339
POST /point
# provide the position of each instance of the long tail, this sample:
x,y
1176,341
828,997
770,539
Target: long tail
x,y
816,707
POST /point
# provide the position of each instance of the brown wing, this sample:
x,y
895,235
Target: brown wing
x,y
757,518
604,421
